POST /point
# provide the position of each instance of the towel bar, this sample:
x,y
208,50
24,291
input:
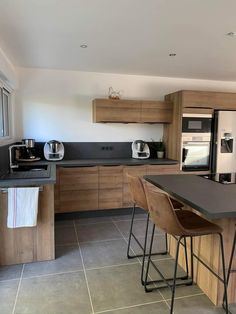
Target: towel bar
x,y
5,190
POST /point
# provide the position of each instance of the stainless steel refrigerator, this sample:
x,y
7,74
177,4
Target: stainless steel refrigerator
x,y
224,142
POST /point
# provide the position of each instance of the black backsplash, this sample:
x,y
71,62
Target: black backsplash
x,y
95,150
81,150
4,157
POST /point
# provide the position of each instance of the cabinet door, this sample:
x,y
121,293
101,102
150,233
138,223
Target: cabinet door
x,y
163,169
78,178
135,171
110,187
78,189
156,112
108,110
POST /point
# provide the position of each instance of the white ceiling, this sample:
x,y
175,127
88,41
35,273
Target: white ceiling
x,y
123,36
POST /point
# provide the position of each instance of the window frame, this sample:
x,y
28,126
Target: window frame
x,y
4,89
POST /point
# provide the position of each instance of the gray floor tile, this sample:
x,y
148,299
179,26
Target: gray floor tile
x,y
85,221
97,232
116,287
65,235
10,272
181,291
8,290
139,228
157,308
197,305
158,246
128,217
58,294
67,259
98,254
166,266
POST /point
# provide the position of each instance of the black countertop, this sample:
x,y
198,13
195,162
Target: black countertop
x,y
116,162
212,199
77,163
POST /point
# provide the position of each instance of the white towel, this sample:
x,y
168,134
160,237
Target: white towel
x,y
22,207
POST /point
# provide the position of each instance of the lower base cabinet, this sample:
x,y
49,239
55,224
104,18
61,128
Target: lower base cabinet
x,y
31,244
99,187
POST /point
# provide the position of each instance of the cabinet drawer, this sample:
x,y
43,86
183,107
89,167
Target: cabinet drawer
x,y
162,169
110,198
110,177
78,200
78,178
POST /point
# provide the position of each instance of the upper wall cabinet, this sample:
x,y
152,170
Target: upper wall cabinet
x,y
131,111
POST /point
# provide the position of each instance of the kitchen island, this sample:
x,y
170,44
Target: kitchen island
x,y
216,202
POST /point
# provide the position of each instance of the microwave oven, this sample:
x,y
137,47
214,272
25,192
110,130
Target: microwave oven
x,y
196,123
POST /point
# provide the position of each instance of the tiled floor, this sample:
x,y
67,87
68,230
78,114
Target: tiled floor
x,y
92,275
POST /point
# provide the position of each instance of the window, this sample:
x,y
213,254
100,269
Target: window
x,y
4,113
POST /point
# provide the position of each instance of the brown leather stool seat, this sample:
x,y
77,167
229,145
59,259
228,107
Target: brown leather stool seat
x,y
181,224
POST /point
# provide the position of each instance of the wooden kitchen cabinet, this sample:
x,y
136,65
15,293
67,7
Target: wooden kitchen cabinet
x,y
100,187
163,169
131,111
78,189
110,194
156,111
110,110
31,244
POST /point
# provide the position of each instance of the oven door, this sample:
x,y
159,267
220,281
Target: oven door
x,y
196,156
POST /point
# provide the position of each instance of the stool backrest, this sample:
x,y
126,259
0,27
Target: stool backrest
x,y
137,191
162,212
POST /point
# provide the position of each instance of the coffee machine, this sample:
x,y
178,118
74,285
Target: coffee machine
x,y
140,150
28,151
53,150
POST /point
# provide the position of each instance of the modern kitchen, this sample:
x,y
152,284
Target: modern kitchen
x,y
117,161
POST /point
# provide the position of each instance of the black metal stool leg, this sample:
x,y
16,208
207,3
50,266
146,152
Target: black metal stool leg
x,y
230,267
224,274
145,248
130,232
149,259
175,273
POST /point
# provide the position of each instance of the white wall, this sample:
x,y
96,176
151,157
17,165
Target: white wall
x,y
53,104
7,71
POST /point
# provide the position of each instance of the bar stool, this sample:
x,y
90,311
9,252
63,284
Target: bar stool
x,y
139,199
181,224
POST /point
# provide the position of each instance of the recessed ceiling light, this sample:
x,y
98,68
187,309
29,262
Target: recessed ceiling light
x,y
83,46
172,54
231,34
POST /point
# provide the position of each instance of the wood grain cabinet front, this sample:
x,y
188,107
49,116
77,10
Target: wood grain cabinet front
x,y
110,187
131,111
109,110
78,188
156,112
99,187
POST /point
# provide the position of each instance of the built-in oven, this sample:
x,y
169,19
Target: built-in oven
x,y
196,142
195,154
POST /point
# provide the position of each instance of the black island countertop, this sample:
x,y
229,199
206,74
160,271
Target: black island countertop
x,y
51,179
213,199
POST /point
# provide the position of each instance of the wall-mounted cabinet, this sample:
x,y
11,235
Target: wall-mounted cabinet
x,y
131,111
